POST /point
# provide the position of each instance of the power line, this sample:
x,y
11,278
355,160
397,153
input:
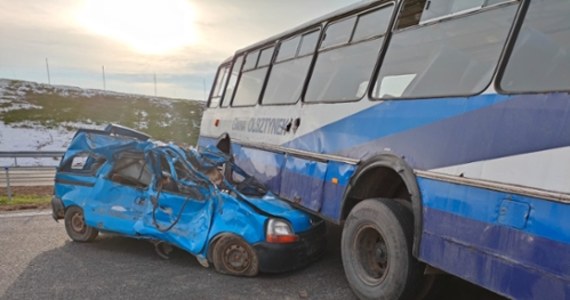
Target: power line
x,y
155,84
205,91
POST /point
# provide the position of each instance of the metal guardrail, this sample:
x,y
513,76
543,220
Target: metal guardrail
x,y
30,154
18,175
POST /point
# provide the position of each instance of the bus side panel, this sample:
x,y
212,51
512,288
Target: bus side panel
x,y
515,245
302,182
336,182
265,166
320,186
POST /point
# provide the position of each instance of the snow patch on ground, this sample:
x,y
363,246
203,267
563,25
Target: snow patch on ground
x,y
79,125
27,136
30,136
161,102
143,120
19,106
3,85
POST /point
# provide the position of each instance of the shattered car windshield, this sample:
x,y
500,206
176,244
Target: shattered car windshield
x,y
178,177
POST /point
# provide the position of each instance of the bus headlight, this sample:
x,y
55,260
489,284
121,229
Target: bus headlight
x,y
280,232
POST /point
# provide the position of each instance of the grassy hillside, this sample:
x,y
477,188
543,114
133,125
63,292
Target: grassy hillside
x,y
27,104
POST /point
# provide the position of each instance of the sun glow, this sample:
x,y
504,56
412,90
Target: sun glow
x,y
147,26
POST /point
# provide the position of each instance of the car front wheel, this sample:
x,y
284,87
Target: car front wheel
x,y
76,228
233,256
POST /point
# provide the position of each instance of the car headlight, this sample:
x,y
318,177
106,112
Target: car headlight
x,y
280,232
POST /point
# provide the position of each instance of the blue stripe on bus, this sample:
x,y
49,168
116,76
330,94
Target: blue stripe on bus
x,y
445,132
524,124
385,119
510,262
545,219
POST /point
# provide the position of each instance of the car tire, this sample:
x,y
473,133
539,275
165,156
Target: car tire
x,y
376,248
76,228
233,256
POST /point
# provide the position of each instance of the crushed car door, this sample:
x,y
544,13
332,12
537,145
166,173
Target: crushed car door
x,y
122,194
181,211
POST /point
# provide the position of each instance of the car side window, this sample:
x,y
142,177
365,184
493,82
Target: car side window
x,y
83,163
131,169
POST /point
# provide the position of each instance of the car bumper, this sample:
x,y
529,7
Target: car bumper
x,y
57,208
276,258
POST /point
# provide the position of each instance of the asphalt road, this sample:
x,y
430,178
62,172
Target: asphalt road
x,y
38,261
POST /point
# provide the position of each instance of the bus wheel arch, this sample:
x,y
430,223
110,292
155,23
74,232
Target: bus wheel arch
x,y
390,177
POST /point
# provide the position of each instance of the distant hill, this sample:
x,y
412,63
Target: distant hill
x,y
46,116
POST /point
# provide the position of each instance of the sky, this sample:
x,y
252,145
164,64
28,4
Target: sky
x,y
181,42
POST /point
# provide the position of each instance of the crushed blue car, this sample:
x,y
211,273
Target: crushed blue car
x,y
120,181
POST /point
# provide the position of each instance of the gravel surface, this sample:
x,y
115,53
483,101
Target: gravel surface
x,y
38,261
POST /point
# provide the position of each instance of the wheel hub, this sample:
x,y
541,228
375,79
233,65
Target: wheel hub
x,y
236,258
372,255
77,223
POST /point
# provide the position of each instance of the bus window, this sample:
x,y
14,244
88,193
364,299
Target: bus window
x,y
229,93
250,60
456,57
372,24
251,81
287,77
542,46
416,12
338,33
309,42
288,49
266,56
343,73
221,79
435,9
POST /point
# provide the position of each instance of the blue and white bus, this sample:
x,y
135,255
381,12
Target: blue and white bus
x,y
437,132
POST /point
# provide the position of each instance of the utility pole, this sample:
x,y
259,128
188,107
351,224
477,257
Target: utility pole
x,y
155,84
205,92
47,68
104,83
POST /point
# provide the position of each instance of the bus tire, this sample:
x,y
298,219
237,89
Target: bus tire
x,y
376,249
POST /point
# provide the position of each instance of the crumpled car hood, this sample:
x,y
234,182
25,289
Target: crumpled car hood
x,y
276,207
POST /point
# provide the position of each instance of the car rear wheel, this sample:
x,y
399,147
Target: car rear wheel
x,y
76,228
233,256
376,251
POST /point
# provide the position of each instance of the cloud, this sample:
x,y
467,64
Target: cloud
x,y
32,30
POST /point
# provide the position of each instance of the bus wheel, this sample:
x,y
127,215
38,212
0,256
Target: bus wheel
x,y
377,251
76,228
